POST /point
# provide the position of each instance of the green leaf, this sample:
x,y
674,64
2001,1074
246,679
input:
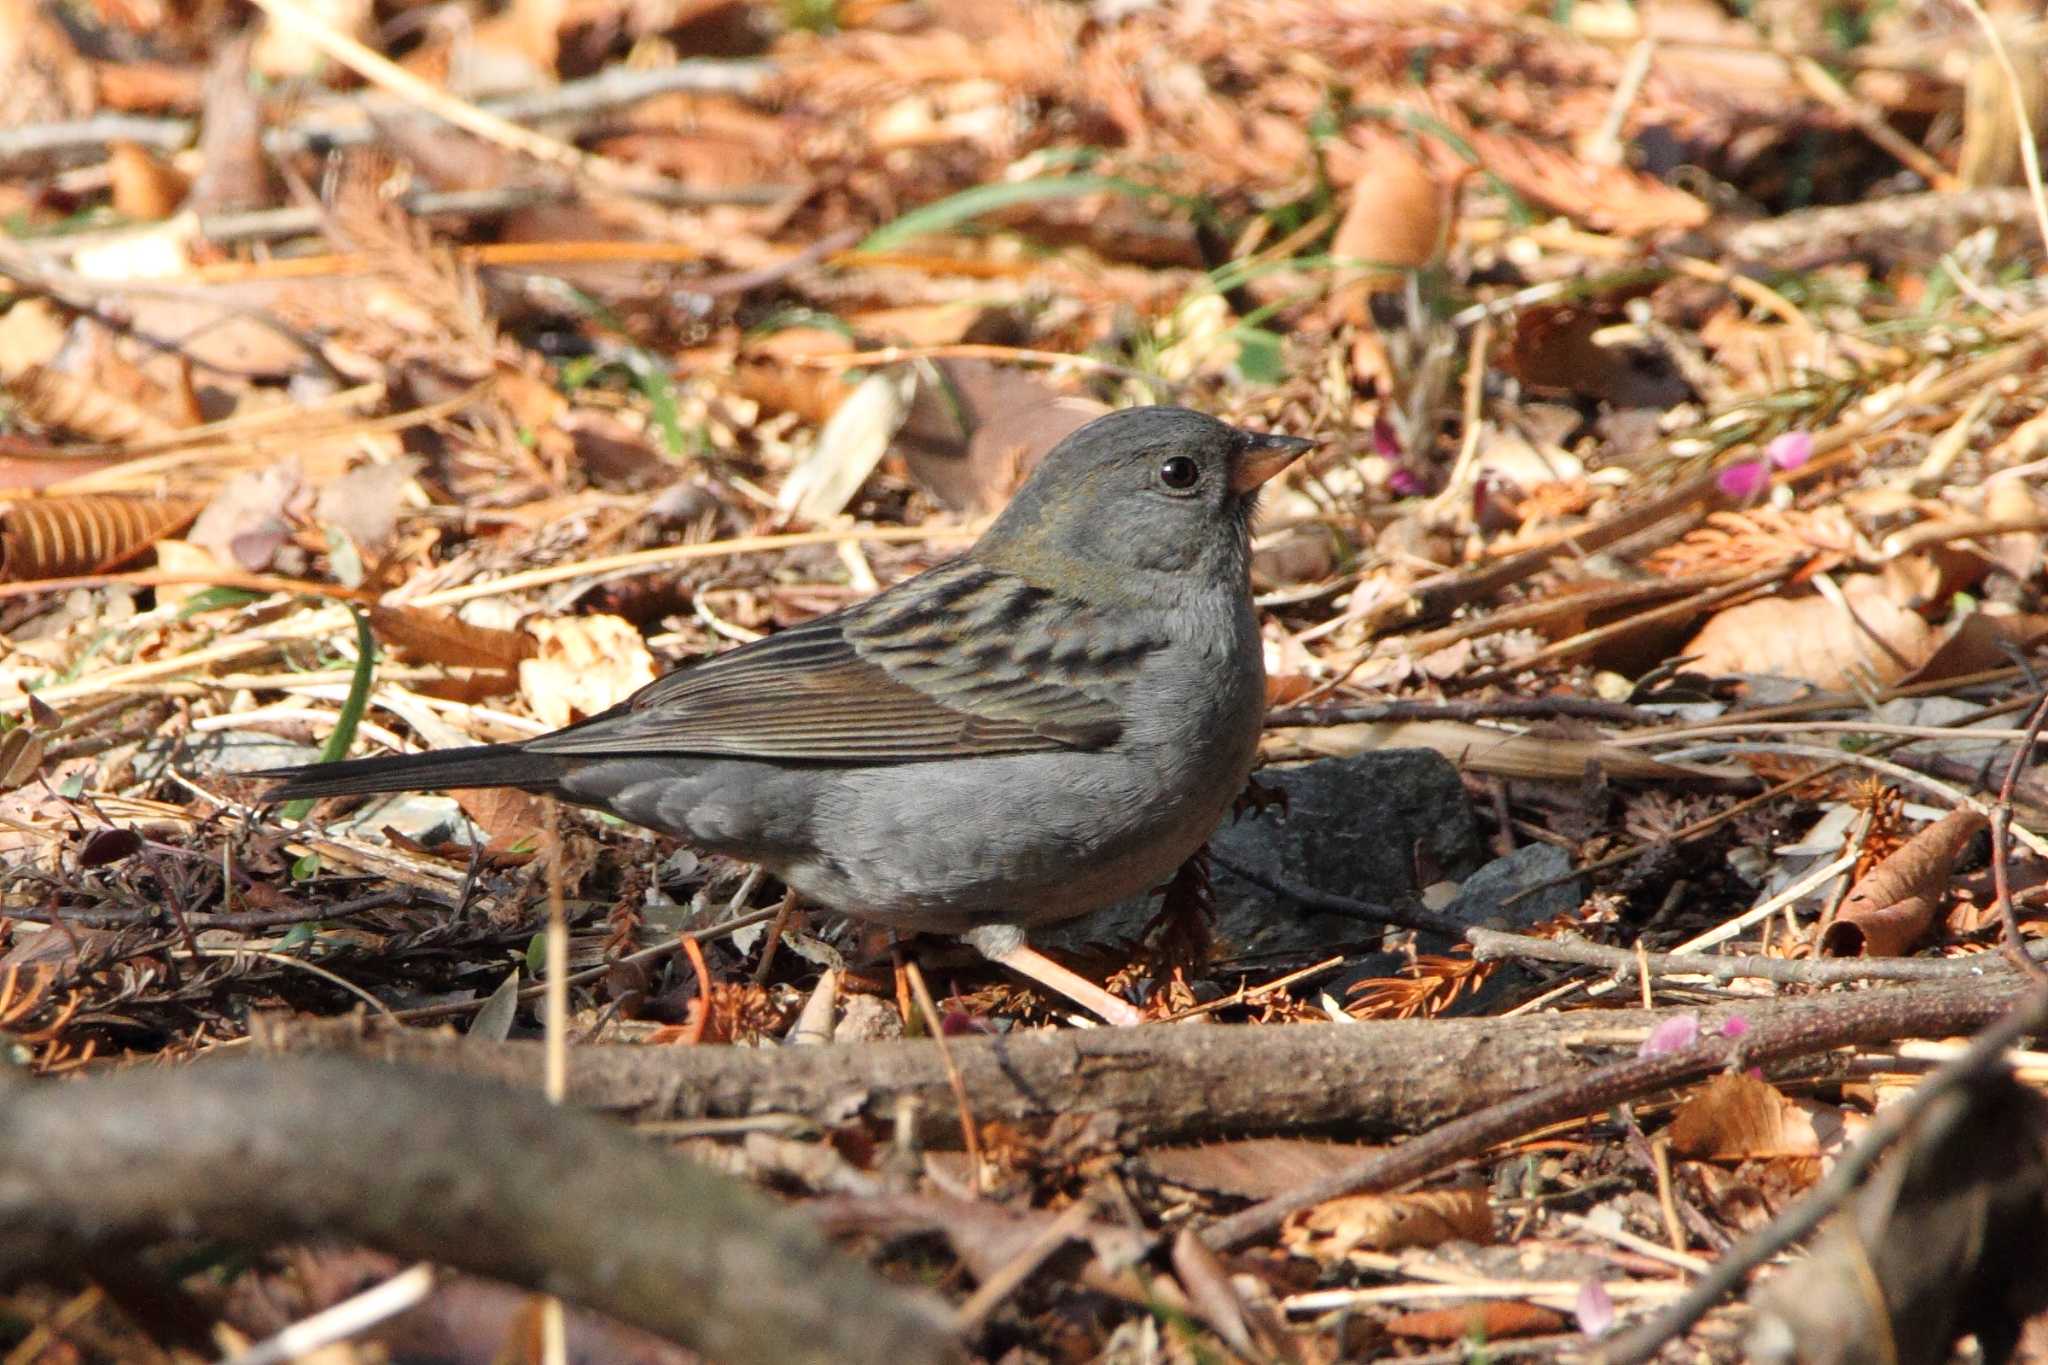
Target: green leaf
x,y
493,1023
217,599
351,708
537,955
306,868
1260,356
959,208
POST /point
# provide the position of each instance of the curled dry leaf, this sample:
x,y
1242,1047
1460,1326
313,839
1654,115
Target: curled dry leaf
x,y
21,754
1389,1222
59,537
1886,913
146,187
1251,1168
65,403
1394,223
1479,1322
582,665
1736,1117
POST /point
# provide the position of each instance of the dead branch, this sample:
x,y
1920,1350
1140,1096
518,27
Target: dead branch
x,y
444,1168
1163,1083
1791,1031
352,122
1490,945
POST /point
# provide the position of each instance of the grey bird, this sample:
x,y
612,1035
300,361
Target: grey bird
x,y
1051,722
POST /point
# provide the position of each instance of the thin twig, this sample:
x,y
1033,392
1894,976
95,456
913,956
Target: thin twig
x,y
2001,828
1330,903
969,1139
1367,713
1490,945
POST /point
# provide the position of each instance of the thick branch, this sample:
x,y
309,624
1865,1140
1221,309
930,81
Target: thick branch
x,y
444,1168
1164,1083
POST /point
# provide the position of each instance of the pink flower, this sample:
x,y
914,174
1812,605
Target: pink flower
x,y
1790,450
1734,1026
1406,483
1675,1034
1594,1309
1384,442
1745,480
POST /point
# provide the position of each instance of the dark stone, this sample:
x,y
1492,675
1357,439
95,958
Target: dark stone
x,y
1352,826
1482,902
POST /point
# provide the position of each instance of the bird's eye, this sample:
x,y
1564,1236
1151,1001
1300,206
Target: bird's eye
x,y
1179,472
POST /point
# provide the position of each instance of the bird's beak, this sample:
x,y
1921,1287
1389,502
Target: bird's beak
x,y
1262,456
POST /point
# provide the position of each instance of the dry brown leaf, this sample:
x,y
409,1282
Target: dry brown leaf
x,y
1395,221
582,665
511,820
1479,1322
246,522
21,754
1736,1117
1388,1222
1928,579
1981,641
1251,1168
1886,913
975,430
439,637
60,537
1876,640
365,502
146,187
2019,553
1611,198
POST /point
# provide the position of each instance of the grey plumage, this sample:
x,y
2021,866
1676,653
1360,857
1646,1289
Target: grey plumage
x,y
1051,722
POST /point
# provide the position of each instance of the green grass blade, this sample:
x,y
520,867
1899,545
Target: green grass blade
x,y
352,708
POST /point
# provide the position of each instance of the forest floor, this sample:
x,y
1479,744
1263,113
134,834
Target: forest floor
x,y
1653,644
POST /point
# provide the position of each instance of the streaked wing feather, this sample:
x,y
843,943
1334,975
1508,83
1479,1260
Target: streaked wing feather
x,y
886,681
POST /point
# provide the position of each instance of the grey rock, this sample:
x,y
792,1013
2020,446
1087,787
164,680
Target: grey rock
x,y
1352,826
1483,901
1483,898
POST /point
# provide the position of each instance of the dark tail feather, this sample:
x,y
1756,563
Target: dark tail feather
x,y
487,765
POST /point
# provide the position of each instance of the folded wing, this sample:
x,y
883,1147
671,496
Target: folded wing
x,y
963,660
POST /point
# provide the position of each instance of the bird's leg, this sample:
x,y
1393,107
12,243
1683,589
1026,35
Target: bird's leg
x,y
1004,945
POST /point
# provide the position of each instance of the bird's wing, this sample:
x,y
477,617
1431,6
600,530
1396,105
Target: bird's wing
x,y
960,661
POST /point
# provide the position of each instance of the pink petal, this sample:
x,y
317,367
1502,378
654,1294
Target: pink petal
x,y
1594,1309
1734,1026
1406,483
1790,450
1675,1034
1743,481
1384,442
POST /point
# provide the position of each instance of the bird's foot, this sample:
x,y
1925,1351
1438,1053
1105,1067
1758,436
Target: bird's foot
x,y
1004,945
1257,798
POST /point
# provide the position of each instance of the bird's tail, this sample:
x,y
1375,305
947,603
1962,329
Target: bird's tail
x,y
485,765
